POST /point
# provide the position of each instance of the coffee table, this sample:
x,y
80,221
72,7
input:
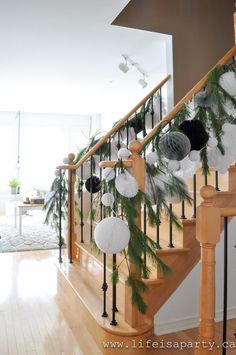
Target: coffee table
x,y
20,209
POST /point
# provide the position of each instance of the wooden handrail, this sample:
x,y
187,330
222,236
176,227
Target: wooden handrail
x,y
115,128
170,116
228,212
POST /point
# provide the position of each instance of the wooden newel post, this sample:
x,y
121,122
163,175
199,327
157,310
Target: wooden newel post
x,y
208,234
132,316
71,210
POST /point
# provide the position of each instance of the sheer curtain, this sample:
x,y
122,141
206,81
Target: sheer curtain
x,y
45,139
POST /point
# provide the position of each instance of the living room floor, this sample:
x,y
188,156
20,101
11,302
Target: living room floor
x,y
38,311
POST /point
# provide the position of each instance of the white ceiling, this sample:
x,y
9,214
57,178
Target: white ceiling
x,y
62,56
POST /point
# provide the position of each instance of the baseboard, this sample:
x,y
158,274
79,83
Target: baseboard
x,y
187,323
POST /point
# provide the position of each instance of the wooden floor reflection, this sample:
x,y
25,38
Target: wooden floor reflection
x,y
38,309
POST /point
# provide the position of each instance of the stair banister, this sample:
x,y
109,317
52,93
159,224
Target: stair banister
x,y
199,86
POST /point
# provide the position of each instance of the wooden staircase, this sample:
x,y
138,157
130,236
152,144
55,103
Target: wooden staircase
x,y
86,273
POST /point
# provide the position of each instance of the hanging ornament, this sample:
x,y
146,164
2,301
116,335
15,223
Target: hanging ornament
x,y
196,133
228,82
203,99
173,165
137,125
212,142
123,153
93,184
174,145
188,168
227,127
86,171
194,156
66,161
115,146
126,184
108,199
230,108
219,161
112,235
108,174
152,158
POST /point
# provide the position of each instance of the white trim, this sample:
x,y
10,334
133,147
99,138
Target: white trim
x,y
187,323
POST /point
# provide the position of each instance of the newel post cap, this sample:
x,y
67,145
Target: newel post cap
x,y
135,147
71,158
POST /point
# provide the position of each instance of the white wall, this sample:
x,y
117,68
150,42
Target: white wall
x,y
181,310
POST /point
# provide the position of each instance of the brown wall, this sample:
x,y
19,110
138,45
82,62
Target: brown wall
x,y
203,31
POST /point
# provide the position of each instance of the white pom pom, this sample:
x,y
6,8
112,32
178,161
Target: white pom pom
x,y
152,158
126,185
57,172
194,155
66,161
108,174
173,165
112,235
108,199
123,153
226,127
212,142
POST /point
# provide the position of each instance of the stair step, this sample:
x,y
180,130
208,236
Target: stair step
x,y
172,251
86,283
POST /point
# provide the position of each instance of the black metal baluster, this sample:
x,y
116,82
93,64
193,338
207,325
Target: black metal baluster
x,y
114,308
160,98
194,196
127,133
153,149
206,179
183,210
114,291
104,284
225,292
60,215
70,219
152,122
81,206
91,200
170,245
217,181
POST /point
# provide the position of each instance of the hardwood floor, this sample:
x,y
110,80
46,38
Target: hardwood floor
x,y
38,312
38,309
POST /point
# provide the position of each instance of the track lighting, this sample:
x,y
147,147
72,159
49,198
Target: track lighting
x,y
143,82
124,67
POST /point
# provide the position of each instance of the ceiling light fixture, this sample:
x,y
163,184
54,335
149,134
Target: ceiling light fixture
x,y
125,68
143,82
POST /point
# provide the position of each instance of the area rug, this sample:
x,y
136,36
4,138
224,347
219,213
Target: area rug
x,y
35,235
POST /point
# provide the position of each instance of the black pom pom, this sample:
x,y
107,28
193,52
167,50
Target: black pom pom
x,y
137,125
93,184
196,133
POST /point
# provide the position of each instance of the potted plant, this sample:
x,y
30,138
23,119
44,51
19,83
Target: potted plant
x,y
14,183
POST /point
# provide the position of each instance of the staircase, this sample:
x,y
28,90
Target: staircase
x,y
107,309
